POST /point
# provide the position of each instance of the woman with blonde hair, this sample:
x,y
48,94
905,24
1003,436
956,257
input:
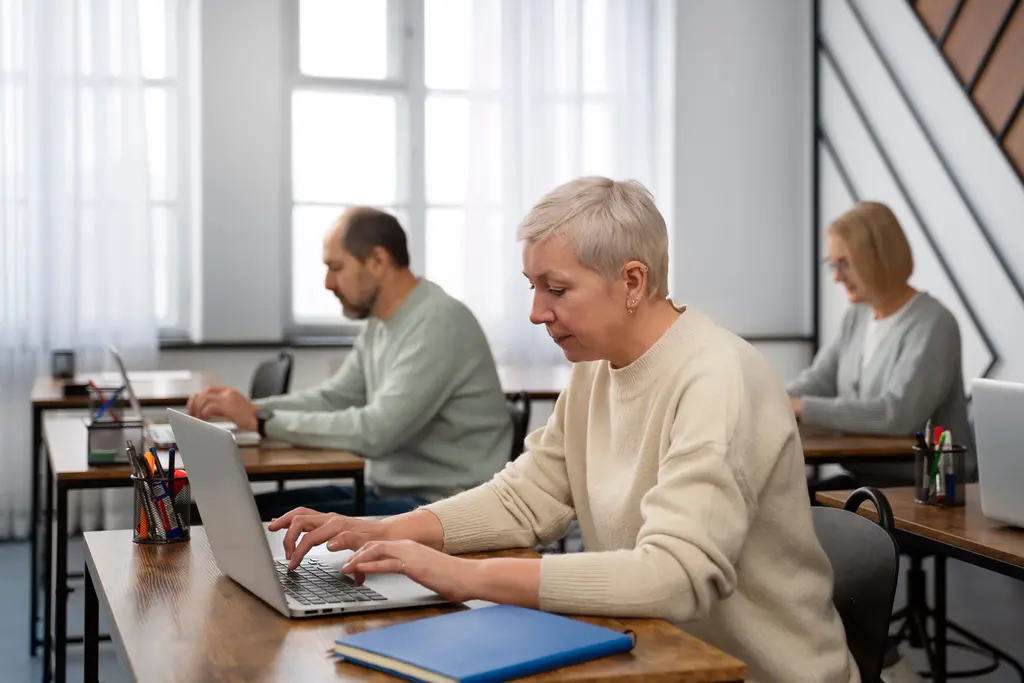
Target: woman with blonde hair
x,y
896,363
674,447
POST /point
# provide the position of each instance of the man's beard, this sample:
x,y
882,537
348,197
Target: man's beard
x,y
360,310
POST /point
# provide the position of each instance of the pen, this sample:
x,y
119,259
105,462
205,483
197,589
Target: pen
x,y
922,447
148,497
160,497
933,485
142,528
947,466
928,432
107,404
940,469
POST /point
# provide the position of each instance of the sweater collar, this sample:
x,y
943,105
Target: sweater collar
x,y
413,299
631,380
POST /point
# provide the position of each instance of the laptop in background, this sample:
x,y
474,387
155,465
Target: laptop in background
x,y
161,435
999,438
238,539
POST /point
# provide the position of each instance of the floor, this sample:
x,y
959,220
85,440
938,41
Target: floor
x,y
990,605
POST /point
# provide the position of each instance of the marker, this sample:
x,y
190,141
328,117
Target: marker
x,y
940,469
922,446
947,465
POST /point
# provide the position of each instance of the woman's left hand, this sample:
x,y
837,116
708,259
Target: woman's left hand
x,y
448,576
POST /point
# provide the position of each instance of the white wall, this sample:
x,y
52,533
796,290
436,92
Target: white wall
x,y
744,141
968,149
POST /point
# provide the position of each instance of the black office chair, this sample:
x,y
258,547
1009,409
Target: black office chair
x,y
272,377
865,561
519,410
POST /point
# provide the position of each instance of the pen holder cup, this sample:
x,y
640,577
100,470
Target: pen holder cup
x,y
158,521
106,439
106,403
940,480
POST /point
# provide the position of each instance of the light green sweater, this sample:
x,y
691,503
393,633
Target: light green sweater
x,y
418,397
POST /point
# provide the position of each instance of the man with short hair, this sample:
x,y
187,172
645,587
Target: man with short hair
x,y
418,396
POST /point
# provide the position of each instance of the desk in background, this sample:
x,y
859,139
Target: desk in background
x,y
824,447
963,533
177,619
66,447
539,383
153,389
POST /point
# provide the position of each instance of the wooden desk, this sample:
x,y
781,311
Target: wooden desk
x,y
66,439
177,619
823,447
154,388
963,533
539,383
960,532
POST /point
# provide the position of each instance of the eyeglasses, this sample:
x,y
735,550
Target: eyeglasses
x,y
839,265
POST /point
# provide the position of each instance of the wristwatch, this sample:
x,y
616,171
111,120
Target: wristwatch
x,y
262,416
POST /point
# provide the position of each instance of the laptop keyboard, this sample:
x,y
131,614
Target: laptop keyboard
x,y
161,434
314,583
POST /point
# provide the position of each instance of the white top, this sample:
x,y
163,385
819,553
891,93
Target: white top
x,y
876,330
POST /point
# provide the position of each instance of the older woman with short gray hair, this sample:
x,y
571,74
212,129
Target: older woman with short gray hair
x,y
674,446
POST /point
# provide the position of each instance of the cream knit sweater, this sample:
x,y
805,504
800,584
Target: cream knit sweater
x,y
686,474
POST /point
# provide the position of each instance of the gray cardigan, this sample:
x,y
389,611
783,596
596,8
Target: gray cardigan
x,y
914,374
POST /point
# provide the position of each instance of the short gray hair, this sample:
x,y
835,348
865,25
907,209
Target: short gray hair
x,y
608,222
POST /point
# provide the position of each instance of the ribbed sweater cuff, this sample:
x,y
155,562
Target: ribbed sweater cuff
x,y
576,583
816,410
466,524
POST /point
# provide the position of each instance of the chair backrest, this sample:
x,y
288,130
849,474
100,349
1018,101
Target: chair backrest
x,y
519,410
272,377
865,561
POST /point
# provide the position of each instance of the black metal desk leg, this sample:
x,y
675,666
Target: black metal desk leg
x,y
48,571
91,630
360,486
61,590
939,616
33,534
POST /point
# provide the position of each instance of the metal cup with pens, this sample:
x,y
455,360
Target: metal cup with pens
x,y
162,498
109,425
940,469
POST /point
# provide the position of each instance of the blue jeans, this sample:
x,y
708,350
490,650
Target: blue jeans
x,y
339,499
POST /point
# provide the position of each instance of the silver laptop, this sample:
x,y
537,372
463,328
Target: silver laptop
x,y
999,438
240,547
162,434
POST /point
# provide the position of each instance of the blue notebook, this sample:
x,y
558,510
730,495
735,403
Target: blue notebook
x,y
497,643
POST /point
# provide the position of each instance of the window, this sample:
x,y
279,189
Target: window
x,y
165,42
458,113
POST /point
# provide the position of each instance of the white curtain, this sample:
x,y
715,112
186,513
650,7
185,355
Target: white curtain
x,y
558,89
75,246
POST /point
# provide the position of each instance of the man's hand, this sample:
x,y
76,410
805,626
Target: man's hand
x,y
226,403
797,405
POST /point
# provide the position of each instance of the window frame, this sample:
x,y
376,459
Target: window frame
x,y
406,54
182,156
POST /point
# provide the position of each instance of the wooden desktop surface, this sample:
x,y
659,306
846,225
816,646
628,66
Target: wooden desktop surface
x,y
177,619
820,445
155,388
961,527
66,440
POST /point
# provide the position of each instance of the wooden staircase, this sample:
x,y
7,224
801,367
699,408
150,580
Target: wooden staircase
x,y
983,43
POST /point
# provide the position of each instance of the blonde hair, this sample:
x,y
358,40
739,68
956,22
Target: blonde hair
x,y
608,222
879,251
